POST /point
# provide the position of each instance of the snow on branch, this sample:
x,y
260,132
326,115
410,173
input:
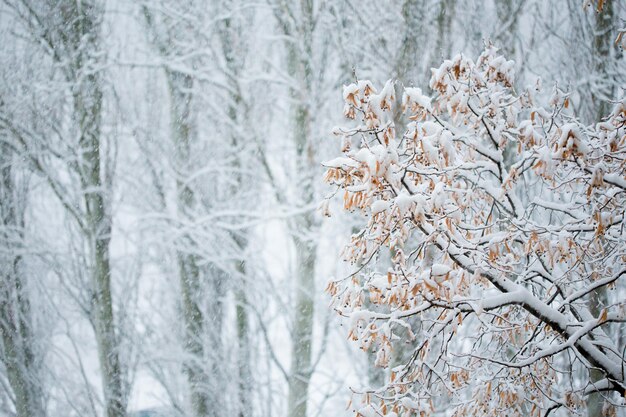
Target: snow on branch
x,y
494,244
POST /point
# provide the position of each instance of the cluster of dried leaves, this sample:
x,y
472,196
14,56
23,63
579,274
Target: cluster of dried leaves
x,y
494,227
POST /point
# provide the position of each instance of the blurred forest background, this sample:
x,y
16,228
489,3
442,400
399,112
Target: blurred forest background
x,y
161,251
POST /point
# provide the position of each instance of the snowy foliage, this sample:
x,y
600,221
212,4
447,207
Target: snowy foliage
x,y
493,223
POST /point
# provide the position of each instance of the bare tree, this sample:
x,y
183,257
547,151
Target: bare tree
x,y
202,69
297,23
70,35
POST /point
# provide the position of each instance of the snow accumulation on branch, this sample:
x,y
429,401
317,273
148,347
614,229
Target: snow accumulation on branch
x,y
493,242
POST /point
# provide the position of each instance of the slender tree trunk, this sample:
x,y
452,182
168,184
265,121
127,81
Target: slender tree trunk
x,y
243,348
234,52
189,272
600,95
214,354
87,108
300,373
300,68
83,40
229,34
18,344
603,43
244,373
407,60
508,13
445,16
595,401
81,45
193,319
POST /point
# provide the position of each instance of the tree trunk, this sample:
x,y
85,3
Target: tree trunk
x,y
603,43
230,34
602,47
194,326
407,61
18,349
87,108
300,68
300,373
243,349
214,354
189,272
445,17
508,13
595,401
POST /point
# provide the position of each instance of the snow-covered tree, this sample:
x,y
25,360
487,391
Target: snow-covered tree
x,y
499,258
212,214
63,139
